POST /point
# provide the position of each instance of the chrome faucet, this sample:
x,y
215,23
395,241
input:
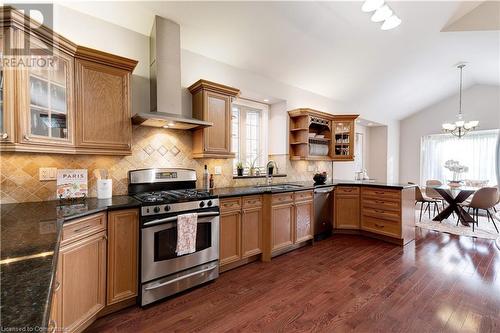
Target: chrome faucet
x,y
269,177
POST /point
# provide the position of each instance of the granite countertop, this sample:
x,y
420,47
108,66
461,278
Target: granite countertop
x,y
226,192
30,234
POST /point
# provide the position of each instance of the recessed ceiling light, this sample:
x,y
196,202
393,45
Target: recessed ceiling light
x,y
391,23
370,124
266,100
371,5
382,14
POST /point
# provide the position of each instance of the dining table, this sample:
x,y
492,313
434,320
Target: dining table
x,y
454,196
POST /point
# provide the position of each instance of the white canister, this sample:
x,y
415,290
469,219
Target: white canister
x,y
104,188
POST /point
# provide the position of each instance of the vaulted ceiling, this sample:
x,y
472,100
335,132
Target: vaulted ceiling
x,y
333,49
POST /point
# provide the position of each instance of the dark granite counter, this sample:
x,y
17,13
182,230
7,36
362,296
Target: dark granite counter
x,y
30,234
226,192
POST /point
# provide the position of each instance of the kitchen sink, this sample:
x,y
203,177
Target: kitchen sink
x,y
280,186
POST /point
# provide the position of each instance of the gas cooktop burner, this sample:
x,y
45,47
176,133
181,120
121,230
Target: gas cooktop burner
x,y
172,196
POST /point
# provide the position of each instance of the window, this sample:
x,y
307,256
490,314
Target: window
x,y
476,150
248,134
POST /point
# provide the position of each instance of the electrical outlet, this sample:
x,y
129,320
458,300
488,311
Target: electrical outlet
x,y
45,174
218,170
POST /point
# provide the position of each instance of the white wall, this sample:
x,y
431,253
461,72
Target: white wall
x,y
480,102
377,163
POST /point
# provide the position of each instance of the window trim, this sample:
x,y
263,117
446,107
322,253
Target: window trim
x,y
263,129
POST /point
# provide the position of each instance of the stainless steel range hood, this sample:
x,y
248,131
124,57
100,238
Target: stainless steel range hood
x,y
165,80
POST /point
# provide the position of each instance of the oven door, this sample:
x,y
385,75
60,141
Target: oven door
x,y
159,241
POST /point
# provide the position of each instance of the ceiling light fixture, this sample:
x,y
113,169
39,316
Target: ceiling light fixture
x,y
382,14
266,100
391,23
371,5
460,127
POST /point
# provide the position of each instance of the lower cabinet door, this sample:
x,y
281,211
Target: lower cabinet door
x,y
123,242
303,221
251,232
282,228
230,237
82,266
347,212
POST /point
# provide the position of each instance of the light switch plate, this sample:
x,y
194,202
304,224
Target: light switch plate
x,y
45,174
218,170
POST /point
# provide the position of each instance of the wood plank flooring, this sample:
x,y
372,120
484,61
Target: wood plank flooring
x,y
440,283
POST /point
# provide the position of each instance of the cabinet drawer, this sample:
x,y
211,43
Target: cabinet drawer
x,y
252,201
380,204
230,204
347,190
382,214
380,226
381,193
282,198
304,195
82,227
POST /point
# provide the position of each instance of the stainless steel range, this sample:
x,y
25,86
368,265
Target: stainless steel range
x,y
165,194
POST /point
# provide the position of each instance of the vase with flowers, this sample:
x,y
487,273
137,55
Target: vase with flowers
x,y
458,170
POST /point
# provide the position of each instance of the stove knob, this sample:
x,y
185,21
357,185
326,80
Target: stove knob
x,y
167,208
156,209
202,204
209,203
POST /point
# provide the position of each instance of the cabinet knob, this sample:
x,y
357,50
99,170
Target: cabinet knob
x,y
4,136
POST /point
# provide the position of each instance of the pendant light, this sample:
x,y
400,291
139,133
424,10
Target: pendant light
x,y
460,127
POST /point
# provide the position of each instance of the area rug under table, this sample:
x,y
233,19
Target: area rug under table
x,y
485,229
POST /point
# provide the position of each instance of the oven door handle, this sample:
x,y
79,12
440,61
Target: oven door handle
x,y
174,218
159,285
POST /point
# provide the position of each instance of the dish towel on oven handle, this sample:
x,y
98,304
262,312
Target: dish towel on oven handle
x,y
186,233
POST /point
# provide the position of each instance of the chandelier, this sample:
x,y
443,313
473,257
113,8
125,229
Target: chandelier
x,y
460,127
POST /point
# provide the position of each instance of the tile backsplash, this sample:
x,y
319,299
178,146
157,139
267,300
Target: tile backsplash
x,y
151,147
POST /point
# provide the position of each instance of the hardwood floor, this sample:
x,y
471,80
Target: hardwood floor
x,y
440,283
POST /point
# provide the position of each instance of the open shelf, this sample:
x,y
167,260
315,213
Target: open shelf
x,y
338,132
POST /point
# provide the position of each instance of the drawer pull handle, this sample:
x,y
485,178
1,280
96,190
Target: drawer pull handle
x,y
379,211
58,286
5,136
82,228
379,225
26,137
380,202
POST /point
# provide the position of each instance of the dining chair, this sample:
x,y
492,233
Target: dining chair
x,y
484,199
420,198
430,192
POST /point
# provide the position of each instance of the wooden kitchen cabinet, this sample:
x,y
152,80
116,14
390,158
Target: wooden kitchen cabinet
x,y
82,265
240,230
304,215
123,248
282,225
103,102
230,233
343,137
251,226
287,222
212,102
74,100
347,212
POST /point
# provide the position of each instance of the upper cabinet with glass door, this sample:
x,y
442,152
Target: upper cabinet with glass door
x,y
47,107
343,137
6,90
44,89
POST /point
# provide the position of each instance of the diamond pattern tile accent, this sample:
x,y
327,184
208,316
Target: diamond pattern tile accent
x,y
148,149
175,151
162,150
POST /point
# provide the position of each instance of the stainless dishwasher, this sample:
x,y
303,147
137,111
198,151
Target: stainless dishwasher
x,y
323,212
